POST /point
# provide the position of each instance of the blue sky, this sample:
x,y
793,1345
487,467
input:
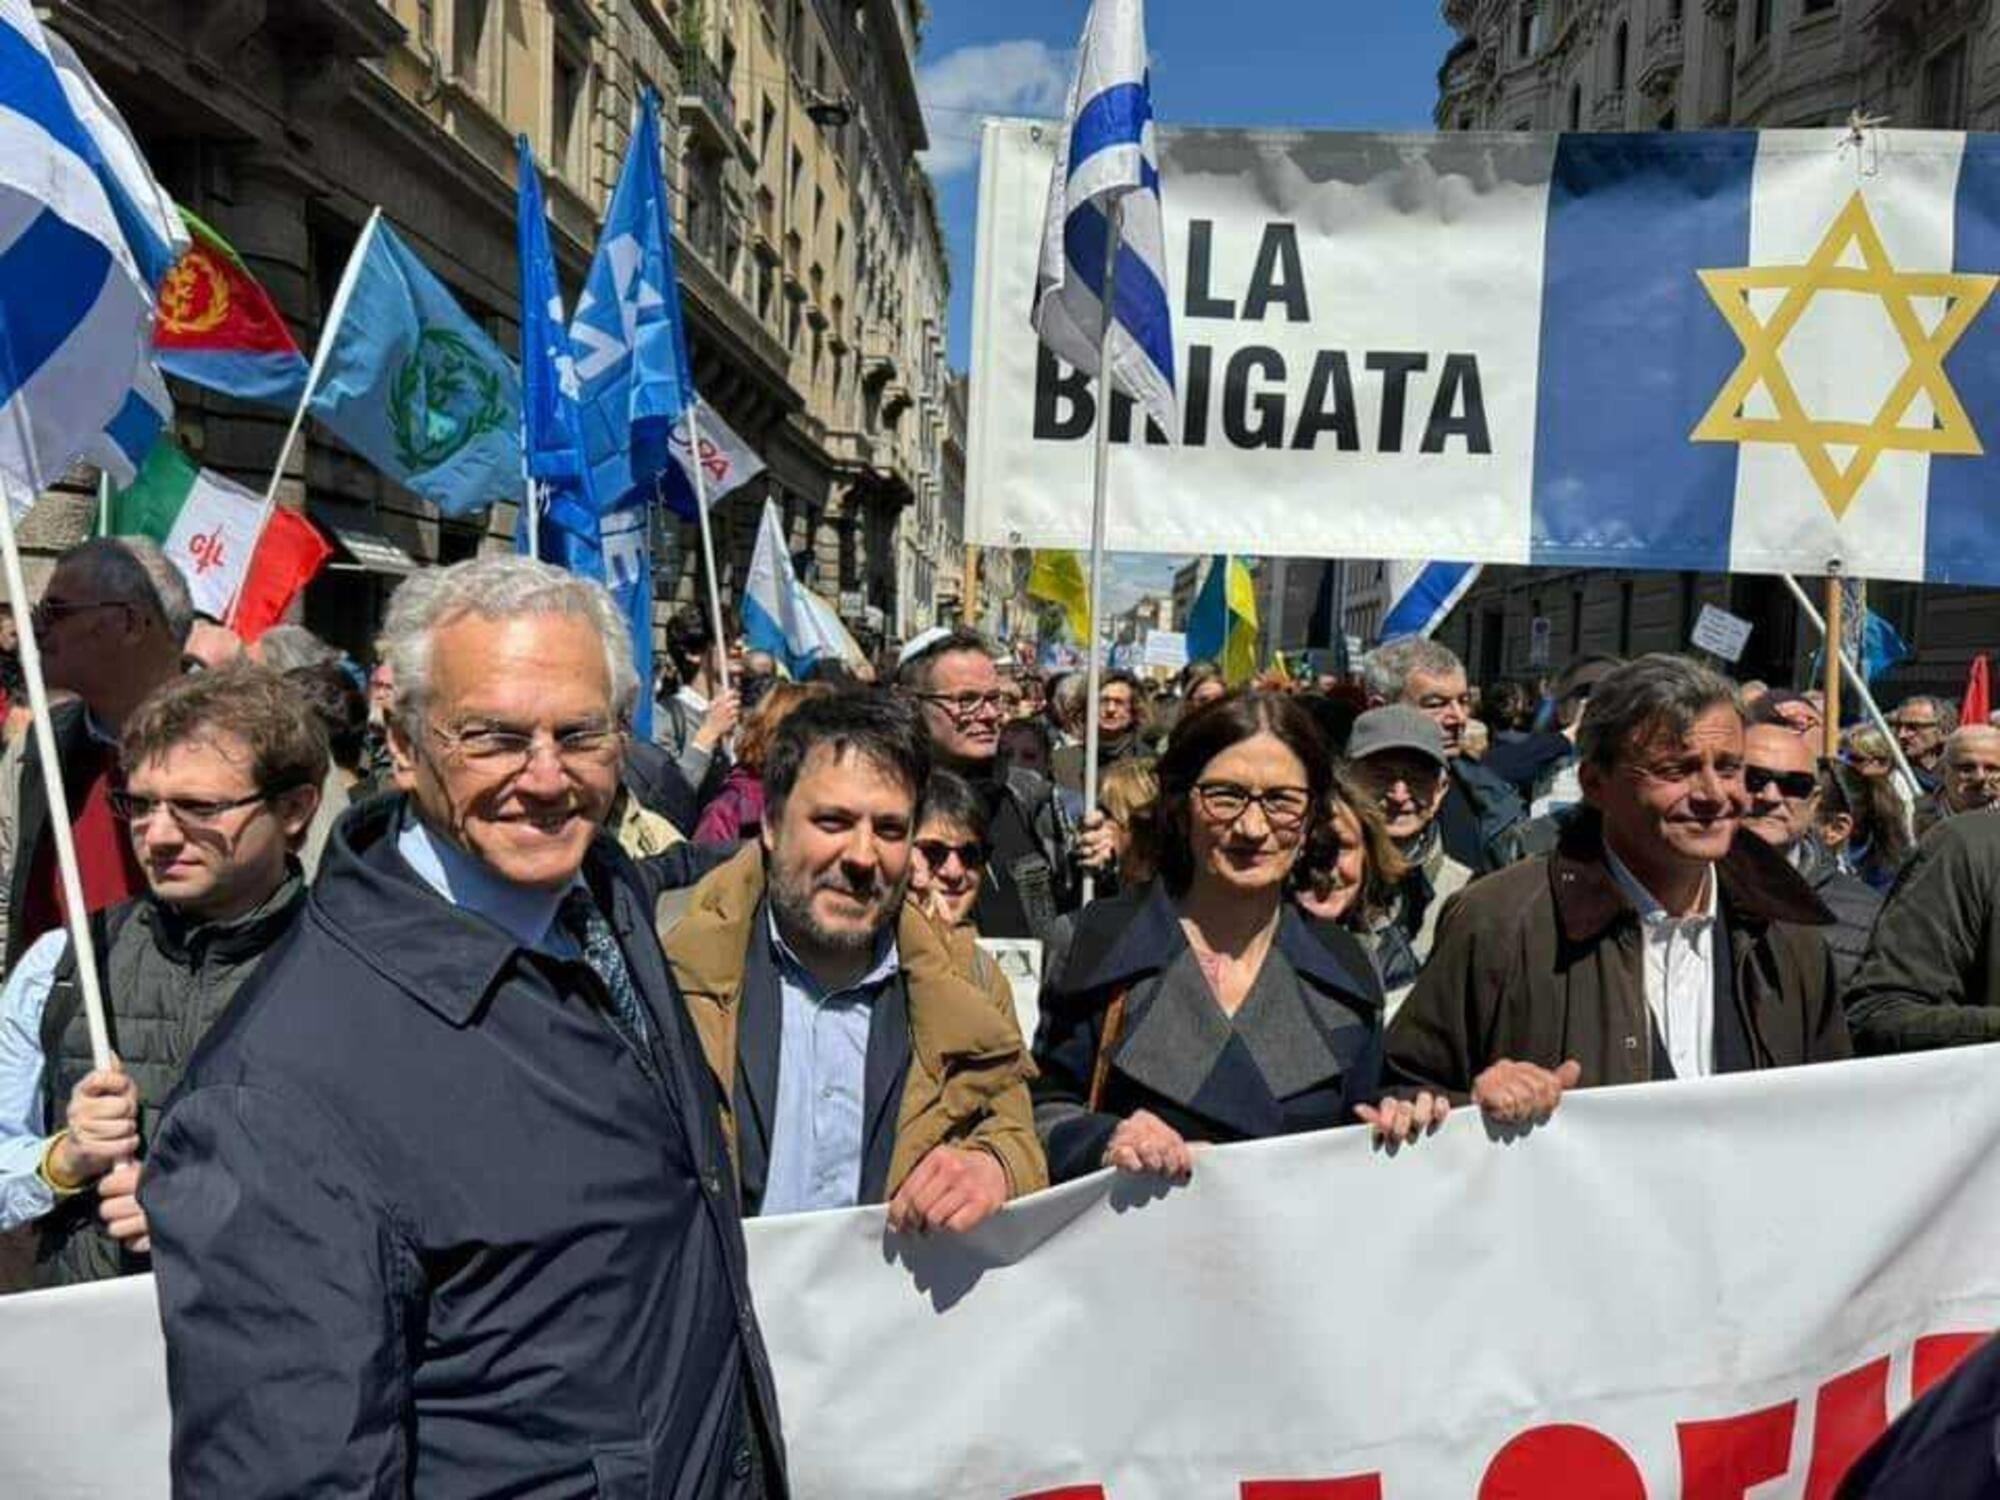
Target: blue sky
x,y
1330,64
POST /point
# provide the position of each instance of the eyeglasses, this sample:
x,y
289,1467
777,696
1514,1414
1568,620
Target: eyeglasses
x,y
971,855
1913,724
1793,784
188,812
965,707
1282,806
502,750
48,611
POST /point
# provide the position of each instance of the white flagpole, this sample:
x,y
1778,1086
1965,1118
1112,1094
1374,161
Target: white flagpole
x,y
103,503
1114,217
1857,682
707,543
322,352
67,869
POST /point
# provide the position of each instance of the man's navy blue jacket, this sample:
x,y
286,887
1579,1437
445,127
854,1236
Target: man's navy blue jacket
x,y
423,1225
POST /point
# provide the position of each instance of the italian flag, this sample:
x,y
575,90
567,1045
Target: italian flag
x,y
209,526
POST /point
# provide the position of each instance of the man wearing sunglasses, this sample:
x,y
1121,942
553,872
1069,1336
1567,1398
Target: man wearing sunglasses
x,y
110,624
1781,777
222,775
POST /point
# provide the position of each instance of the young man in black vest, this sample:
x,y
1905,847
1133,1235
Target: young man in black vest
x,y
222,775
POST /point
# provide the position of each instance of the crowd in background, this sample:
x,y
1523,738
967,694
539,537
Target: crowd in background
x,y
439,995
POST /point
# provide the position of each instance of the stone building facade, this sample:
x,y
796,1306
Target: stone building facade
x,y
1698,64
284,124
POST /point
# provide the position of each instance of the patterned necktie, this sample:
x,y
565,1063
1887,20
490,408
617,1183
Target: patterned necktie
x,y
581,919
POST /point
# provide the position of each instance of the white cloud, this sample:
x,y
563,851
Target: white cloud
x,y
1017,77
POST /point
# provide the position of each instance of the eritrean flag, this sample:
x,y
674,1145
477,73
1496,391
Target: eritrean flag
x,y
219,328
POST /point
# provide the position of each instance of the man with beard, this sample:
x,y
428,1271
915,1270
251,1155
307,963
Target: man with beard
x,y
860,1059
1660,940
962,703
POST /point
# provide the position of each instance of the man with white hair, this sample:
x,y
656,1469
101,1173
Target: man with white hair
x,y
111,624
444,1206
1480,808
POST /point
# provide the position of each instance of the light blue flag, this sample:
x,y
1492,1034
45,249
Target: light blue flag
x,y
779,614
406,379
627,336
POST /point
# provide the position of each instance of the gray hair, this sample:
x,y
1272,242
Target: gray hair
x,y
1963,736
133,570
287,648
501,587
1387,669
1637,701
1947,712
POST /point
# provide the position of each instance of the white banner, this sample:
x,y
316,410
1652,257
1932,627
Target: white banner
x,y
1576,350
1685,1291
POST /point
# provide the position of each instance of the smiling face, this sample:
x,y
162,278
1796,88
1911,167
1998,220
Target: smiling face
x,y
1673,801
961,707
840,851
1332,897
538,675
946,866
1255,847
1409,787
222,864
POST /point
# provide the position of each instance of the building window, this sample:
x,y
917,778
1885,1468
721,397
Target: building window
x,y
764,124
569,114
469,24
1524,32
1943,100
798,168
1621,50
1575,110
1760,20
1818,7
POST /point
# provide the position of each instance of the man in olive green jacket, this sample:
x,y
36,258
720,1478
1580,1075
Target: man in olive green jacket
x,y
859,1058
1658,940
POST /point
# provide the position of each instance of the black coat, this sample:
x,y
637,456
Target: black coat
x,y
423,1224
1177,1056
1945,1447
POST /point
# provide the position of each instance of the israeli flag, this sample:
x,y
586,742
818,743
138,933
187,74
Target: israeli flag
x,y
1422,594
122,448
76,298
779,614
1106,158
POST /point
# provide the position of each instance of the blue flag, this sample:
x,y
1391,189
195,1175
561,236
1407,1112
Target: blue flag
x,y
627,336
613,549
410,382
550,431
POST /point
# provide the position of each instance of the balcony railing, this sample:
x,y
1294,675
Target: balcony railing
x,y
708,105
1608,113
1660,62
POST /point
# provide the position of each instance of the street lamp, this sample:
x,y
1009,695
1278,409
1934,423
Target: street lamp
x,y
829,113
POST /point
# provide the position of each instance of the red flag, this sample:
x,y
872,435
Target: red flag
x,y
289,553
1978,694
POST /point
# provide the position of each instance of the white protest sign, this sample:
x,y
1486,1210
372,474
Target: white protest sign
x,y
1743,1276
1719,631
1167,649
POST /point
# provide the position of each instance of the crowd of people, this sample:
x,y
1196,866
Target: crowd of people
x,y
456,1025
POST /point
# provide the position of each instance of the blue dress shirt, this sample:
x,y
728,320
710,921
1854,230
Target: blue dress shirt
x,y
24,1197
817,1137
526,913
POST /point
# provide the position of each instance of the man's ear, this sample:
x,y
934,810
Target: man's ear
x,y
402,756
295,810
767,830
1591,779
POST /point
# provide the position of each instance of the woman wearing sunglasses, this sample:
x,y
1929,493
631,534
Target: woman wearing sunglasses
x,y
1205,1006
950,850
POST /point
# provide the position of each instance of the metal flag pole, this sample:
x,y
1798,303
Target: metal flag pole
x,y
322,352
1836,635
707,544
103,503
75,918
1100,469
1856,681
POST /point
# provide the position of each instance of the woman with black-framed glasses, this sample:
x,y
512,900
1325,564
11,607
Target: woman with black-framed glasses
x,y
1206,1006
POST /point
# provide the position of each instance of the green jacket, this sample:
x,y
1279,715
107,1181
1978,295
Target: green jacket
x,y
1931,976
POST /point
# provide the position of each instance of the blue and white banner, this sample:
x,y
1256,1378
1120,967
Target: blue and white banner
x,y
780,615
1737,351
1422,594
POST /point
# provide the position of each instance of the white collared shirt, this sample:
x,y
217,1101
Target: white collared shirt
x,y
1678,967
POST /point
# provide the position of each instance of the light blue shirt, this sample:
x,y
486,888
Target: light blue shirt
x,y
24,1134
526,913
817,1138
